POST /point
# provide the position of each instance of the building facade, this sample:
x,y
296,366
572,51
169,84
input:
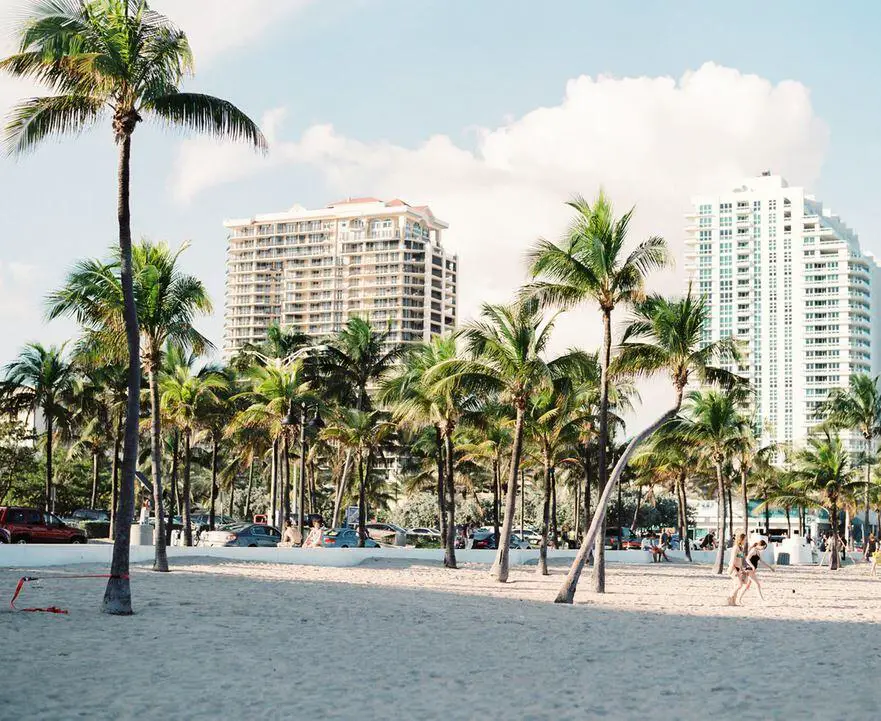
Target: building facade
x,y
787,278
311,270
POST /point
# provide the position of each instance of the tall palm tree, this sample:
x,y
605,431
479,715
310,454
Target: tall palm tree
x,y
184,395
167,302
664,337
215,416
505,347
859,408
822,474
40,378
358,357
121,57
590,265
362,433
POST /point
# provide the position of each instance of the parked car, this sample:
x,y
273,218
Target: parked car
x,y
90,514
251,535
199,521
345,538
4,535
30,525
482,540
426,532
629,541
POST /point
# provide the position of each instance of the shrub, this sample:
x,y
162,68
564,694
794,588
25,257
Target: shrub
x,y
96,529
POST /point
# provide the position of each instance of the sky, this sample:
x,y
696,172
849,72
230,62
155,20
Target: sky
x,y
494,113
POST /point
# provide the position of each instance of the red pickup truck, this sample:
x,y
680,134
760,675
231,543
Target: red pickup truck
x,y
30,525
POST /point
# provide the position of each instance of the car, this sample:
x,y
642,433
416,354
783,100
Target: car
x,y
629,541
425,532
486,540
90,514
31,525
249,535
199,521
345,538
4,535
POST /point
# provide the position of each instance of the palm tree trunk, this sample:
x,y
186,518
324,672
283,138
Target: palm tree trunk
x,y
744,500
273,483
683,505
450,551
342,484
232,494
636,510
834,561
599,553
496,489
721,517
172,486
576,529
542,568
554,529
213,493
587,483
94,497
185,491
50,505
286,482
247,511
767,515
117,596
362,504
439,459
114,478
729,505
567,590
500,566
160,558
866,493
788,522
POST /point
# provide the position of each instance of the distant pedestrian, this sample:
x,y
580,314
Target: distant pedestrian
x,y
871,547
753,560
145,512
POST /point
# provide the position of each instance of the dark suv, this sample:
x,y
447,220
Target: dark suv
x,y
29,525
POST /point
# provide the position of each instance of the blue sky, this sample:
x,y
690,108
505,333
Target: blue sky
x,y
391,75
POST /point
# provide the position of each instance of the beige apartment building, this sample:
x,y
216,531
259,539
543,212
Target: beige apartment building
x,y
311,270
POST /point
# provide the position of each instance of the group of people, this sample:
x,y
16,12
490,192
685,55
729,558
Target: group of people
x,y
743,568
292,538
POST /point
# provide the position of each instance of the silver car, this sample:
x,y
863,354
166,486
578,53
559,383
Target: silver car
x,y
250,535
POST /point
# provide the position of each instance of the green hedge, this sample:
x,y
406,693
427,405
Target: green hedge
x,y
423,541
96,529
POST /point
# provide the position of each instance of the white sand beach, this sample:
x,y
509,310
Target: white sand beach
x,y
224,640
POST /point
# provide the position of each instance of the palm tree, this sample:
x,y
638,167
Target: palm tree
x,y
118,56
362,433
858,408
40,378
215,416
822,473
167,301
350,363
184,395
665,336
590,265
505,350
714,423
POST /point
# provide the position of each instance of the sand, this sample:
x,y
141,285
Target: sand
x,y
225,640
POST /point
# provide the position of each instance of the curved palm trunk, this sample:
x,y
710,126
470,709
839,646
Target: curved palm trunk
x,y
599,553
185,491
117,596
721,516
542,568
114,479
638,508
50,505
500,566
94,497
567,590
450,551
213,493
342,484
744,500
160,558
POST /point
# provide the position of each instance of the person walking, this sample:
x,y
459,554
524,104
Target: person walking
x,y
753,560
737,567
871,547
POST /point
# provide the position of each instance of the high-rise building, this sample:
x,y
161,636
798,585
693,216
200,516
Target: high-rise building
x,y
311,270
787,278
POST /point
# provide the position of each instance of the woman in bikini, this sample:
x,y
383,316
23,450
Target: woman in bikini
x,y
753,559
737,567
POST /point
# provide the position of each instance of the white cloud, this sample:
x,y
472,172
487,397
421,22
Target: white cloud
x,y
649,141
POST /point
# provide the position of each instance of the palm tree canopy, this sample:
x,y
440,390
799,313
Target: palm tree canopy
x,y
40,377
589,263
166,298
115,56
858,407
275,389
713,422
363,432
665,335
823,469
183,393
